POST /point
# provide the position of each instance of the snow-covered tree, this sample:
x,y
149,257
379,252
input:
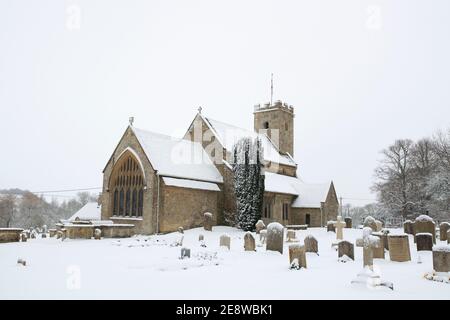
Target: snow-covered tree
x,y
248,173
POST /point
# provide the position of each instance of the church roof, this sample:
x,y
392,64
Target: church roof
x,y
90,211
228,135
177,158
308,195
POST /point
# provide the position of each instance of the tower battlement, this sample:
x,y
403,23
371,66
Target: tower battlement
x,y
278,104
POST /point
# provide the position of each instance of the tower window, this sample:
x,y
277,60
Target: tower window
x,y
266,125
286,127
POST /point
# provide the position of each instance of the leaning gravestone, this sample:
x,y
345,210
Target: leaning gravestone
x,y
424,242
249,242
408,227
275,235
225,241
346,248
207,221
370,222
441,258
399,247
444,227
290,236
297,256
378,253
311,244
331,226
425,224
259,226
348,222
185,253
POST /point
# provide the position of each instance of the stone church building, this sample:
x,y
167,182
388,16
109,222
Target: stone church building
x,y
159,183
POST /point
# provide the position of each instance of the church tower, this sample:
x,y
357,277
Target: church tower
x,y
277,120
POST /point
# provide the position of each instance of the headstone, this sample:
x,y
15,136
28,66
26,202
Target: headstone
x,y
180,230
379,225
348,222
424,242
201,237
97,234
263,236
408,227
441,258
33,234
368,242
23,237
371,223
330,226
339,225
290,236
275,234
346,248
207,221
22,262
399,247
259,226
311,244
444,227
385,233
378,253
51,232
249,242
185,253
297,256
425,224
43,235
225,241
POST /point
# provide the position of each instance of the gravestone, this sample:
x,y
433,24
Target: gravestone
x,y
185,253
444,227
260,226
370,222
97,234
43,235
201,237
23,237
180,230
408,227
379,225
311,244
51,232
424,242
339,225
399,247
297,256
346,248
378,253
249,242
263,236
275,235
425,224
207,221
225,241
330,226
348,223
441,258
385,234
290,236
368,242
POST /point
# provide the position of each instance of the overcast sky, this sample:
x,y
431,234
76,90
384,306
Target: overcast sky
x,y
359,73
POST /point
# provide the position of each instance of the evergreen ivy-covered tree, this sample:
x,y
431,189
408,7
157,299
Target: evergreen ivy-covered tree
x,y
248,172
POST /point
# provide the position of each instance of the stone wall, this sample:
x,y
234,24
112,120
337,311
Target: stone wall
x,y
298,216
10,234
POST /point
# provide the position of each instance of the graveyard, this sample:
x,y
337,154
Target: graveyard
x,y
225,263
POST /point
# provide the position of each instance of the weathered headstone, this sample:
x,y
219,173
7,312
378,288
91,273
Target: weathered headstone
x,y
425,224
348,223
378,253
180,230
207,221
225,241
441,258
370,222
185,253
408,227
424,242
259,226
275,235
201,237
346,248
368,242
297,256
311,244
97,234
290,236
249,242
263,236
330,226
444,227
339,225
399,247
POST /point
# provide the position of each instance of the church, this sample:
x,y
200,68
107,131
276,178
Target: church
x,y
159,183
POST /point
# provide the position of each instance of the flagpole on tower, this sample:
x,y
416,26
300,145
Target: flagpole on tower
x,y
271,89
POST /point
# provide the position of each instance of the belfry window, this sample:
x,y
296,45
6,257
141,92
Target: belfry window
x,y
127,185
266,125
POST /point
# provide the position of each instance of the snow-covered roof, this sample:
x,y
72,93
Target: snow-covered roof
x,y
228,135
309,195
191,184
177,157
90,211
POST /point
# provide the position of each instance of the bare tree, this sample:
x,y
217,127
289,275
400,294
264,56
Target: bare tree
x,y
7,209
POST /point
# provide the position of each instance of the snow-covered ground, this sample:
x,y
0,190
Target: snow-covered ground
x,y
148,267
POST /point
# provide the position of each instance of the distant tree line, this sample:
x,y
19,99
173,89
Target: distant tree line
x,y
23,209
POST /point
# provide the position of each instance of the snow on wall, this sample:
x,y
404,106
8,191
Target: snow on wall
x,y
442,248
191,184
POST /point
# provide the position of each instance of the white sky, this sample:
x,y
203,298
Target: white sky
x,y
359,73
